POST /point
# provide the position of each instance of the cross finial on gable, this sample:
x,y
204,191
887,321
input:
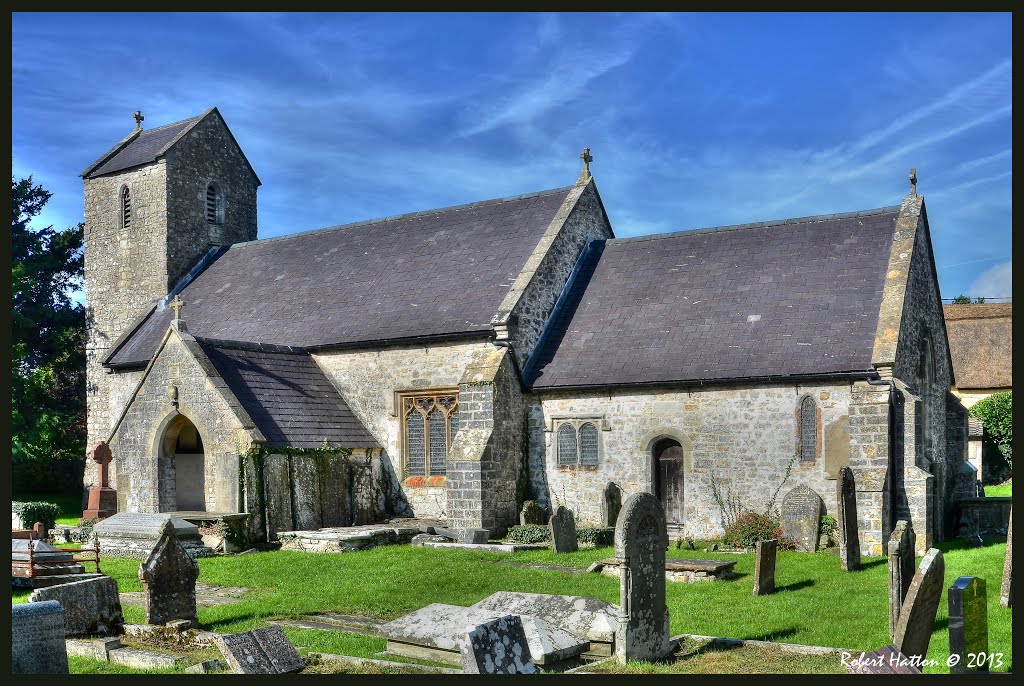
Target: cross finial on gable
x,y
587,159
138,119
176,305
913,182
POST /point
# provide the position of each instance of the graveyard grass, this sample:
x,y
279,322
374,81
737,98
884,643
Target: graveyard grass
x,y
1003,490
70,504
816,603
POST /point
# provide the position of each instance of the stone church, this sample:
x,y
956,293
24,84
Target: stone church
x,y
453,363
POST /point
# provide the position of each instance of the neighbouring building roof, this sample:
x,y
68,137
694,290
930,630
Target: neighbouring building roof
x,y
143,149
981,344
289,398
439,273
786,298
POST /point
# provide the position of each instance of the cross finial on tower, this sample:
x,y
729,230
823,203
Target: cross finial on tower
x,y
913,182
176,305
138,119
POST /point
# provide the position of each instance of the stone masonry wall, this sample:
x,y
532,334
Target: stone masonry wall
x,y
871,420
743,436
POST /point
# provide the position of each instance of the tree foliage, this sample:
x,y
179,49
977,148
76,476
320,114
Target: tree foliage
x,y
962,300
996,414
48,333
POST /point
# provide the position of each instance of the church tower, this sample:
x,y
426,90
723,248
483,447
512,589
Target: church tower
x,y
156,204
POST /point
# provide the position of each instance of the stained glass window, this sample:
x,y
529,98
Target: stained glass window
x,y
808,430
566,444
430,424
588,445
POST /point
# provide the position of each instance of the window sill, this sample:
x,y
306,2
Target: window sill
x,y
424,481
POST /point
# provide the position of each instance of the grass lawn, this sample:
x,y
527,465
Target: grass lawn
x,y
816,602
1003,490
70,504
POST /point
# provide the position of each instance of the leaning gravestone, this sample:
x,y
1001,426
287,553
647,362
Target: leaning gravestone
x,y
968,624
91,607
917,617
641,538
497,646
846,515
37,638
532,513
901,547
801,517
563,531
169,581
261,651
612,504
764,566
1006,590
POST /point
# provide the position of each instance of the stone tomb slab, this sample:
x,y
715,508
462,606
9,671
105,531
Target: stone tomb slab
x,y
91,607
135,534
261,651
682,569
434,632
37,638
591,619
46,560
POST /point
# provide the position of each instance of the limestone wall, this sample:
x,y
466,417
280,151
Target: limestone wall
x,y
743,436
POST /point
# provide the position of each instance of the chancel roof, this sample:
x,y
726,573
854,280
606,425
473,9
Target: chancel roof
x,y
774,299
980,344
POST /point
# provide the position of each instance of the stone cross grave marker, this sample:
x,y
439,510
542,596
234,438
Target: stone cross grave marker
x,y
764,566
641,538
497,646
612,504
1006,590
900,551
968,623
801,517
37,638
846,516
102,498
169,581
91,607
563,531
260,651
532,513
917,617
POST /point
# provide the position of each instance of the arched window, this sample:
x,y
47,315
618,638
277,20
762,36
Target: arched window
x,y
578,443
808,430
126,208
567,444
588,445
214,205
430,422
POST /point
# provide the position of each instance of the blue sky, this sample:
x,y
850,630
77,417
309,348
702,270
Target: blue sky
x,y
693,120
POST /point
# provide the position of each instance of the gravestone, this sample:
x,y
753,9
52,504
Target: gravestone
x,y
1006,590
846,516
900,551
260,651
641,538
102,498
801,517
612,504
968,623
134,534
532,513
917,617
764,566
37,638
475,536
91,607
169,581
497,646
591,619
563,531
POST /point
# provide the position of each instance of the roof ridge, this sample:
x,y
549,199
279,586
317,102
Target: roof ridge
x,y
249,345
174,123
407,215
757,225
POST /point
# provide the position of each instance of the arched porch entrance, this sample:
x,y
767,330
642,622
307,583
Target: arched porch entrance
x,y
667,468
182,468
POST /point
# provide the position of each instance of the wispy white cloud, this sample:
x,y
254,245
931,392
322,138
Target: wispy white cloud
x,y
995,282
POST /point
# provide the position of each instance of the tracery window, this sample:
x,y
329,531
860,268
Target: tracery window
x,y
808,429
429,423
578,443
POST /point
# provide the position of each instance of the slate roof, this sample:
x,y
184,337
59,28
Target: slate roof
x,y
793,297
144,148
289,398
429,274
980,344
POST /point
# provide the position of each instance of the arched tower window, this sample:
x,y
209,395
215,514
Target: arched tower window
x,y
214,205
126,208
808,430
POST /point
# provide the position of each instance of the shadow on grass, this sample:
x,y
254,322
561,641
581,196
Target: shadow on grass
x,y
774,636
868,564
796,586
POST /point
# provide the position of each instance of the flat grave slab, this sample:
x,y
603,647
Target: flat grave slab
x,y
680,569
589,618
135,534
488,547
206,595
347,538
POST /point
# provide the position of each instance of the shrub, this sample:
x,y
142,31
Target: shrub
x,y
829,527
996,414
32,512
529,533
599,536
751,527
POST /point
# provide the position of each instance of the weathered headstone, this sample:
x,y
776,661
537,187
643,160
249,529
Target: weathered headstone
x,y
532,513
764,566
261,651
497,646
641,538
846,516
37,638
968,624
612,504
900,551
801,517
917,617
563,531
169,577
91,607
1006,590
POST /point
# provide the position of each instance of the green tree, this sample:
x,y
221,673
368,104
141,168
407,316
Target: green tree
x,y
48,334
979,300
962,300
996,415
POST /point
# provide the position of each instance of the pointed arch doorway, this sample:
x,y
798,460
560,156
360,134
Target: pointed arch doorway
x,y
667,469
182,468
